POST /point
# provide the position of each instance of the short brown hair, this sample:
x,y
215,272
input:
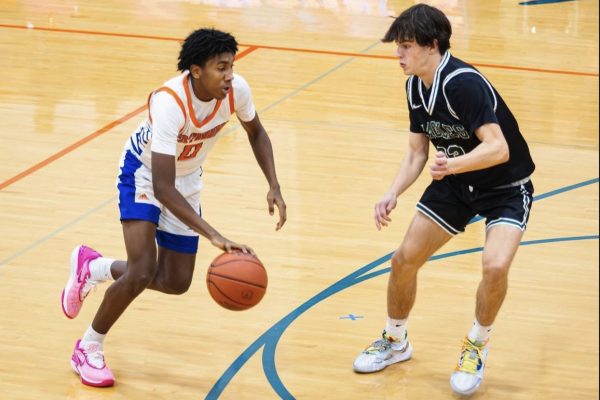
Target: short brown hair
x,y
421,23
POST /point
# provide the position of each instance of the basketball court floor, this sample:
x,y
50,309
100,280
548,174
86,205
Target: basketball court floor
x,y
75,78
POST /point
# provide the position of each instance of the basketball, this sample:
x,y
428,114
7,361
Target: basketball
x,y
236,281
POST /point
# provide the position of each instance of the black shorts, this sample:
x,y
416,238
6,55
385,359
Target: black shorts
x,y
451,204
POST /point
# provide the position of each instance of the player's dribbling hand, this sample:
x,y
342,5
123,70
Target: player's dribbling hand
x,y
439,168
229,246
383,208
274,198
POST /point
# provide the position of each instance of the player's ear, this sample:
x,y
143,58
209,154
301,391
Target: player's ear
x,y
196,71
435,47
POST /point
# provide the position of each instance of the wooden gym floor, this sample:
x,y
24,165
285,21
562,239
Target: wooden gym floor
x,y
75,76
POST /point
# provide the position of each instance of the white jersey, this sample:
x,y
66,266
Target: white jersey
x,y
181,125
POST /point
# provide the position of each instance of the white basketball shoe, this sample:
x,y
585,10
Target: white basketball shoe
x,y
383,352
468,375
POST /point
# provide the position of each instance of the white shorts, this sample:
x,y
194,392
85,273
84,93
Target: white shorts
x,y
137,202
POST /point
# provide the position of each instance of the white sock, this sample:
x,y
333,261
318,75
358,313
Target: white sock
x,y
396,328
92,336
479,333
100,269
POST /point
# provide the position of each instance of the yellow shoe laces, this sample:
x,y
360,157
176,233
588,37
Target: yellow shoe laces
x,y
471,357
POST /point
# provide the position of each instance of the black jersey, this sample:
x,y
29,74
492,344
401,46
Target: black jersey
x,y
459,101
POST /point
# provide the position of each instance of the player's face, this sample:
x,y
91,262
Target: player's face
x,y
214,80
413,58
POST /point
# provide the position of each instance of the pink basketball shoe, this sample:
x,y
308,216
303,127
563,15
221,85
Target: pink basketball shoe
x,y
79,283
89,364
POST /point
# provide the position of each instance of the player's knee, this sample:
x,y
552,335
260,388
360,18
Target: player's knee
x,y
402,264
495,270
177,286
139,280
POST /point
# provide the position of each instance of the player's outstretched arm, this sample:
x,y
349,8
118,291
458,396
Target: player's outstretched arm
x,y
263,151
163,182
410,168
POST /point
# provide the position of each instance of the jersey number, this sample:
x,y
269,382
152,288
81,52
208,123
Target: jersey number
x,y
452,151
190,151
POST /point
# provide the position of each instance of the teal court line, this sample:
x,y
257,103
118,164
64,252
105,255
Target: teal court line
x,y
270,338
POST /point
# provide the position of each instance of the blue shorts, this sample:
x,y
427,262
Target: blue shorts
x,y
137,202
452,204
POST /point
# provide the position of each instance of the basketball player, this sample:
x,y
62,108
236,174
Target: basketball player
x,y
481,166
159,192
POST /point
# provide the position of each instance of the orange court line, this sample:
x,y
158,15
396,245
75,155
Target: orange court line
x,y
509,67
300,50
530,69
90,137
114,34
244,53
71,147
247,51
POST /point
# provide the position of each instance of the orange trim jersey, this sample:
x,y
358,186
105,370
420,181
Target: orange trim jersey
x,y
181,125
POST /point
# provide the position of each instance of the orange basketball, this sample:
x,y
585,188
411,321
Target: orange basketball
x,y
236,281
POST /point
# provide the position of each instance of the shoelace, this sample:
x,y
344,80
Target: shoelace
x,y
88,286
471,357
94,356
378,346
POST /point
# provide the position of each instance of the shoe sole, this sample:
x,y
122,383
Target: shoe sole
x,y
404,356
468,392
88,383
71,281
